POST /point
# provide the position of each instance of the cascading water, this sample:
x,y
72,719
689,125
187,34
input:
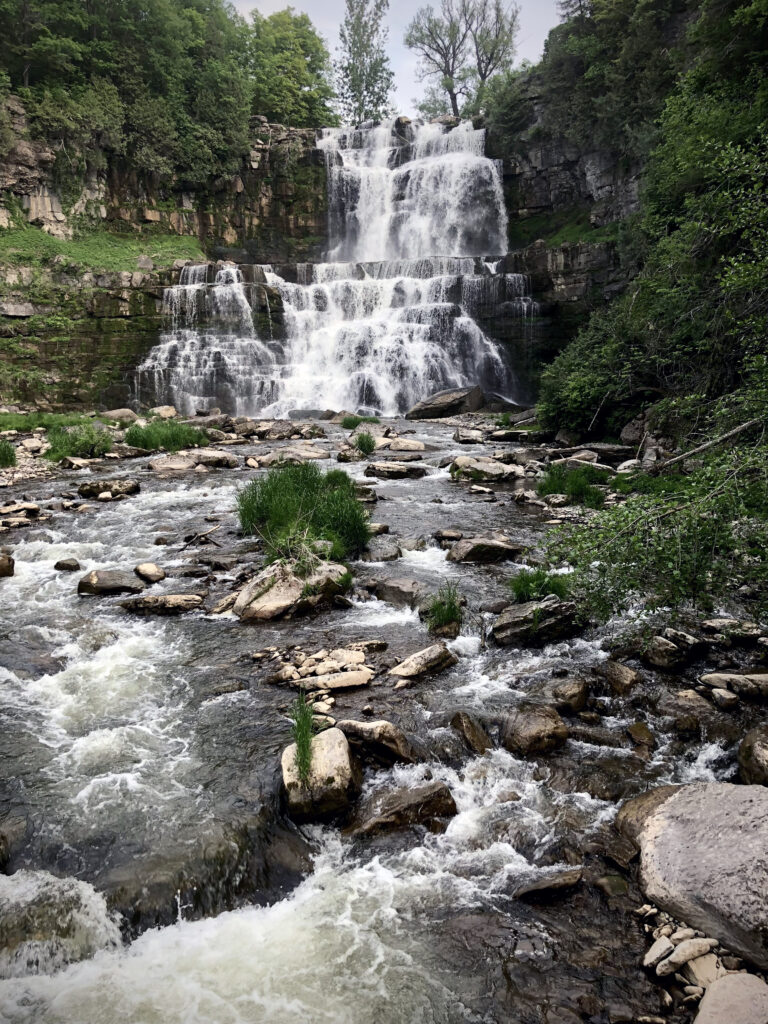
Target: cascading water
x,y
393,315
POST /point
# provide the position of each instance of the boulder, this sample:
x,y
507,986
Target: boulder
x,y
396,470
402,593
751,684
67,565
350,680
535,622
164,412
382,549
428,805
570,695
428,661
93,488
468,435
620,678
149,572
553,882
451,402
163,604
402,444
172,464
702,849
277,591
753,756
212,459
333,782
7,565
663,653
474,735
735,999
484,549
109,581
120,415
533,729
381,742
483,468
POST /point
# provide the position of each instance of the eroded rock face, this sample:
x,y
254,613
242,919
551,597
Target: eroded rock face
x,y
109,581
277,591
334,779
535,622
428,805
450,402
703,859
533,729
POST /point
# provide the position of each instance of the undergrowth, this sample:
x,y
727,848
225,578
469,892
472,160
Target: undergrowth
x,y
32,420
165,434
576,484
84,441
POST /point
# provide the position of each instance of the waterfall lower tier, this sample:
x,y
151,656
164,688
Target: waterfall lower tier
x,y
396,315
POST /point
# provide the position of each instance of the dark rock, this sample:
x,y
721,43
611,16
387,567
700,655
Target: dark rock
x,y
67,565
533,729
7,565
381,742
535,622
641,735
428,805
570,695
553,883
110,581
753,756
620,678
470,730
163,604
450,402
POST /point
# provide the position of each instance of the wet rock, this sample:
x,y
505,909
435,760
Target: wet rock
x,y
149,572
396,470
663,653
93,488
278,591
533,729
426,662
753,685
570,695
164,412
428,805
725,699
212,459
641,735
109,581
163,604
446,538
119,415
382,549
7,565
402,593
735,999
381,742
333,782
687,950
550,883
703,859
172,464
659,951
467,435
67,565
474,735
484,549
535,622
753,756
451,402
482,468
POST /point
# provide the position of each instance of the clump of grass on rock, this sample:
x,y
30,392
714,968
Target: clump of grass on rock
x,y
7,454
302,728
83,441
535,584
577,484
365,443
166,434
352,422
445,607
299,508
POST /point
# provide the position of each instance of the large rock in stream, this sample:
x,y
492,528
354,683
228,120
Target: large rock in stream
x,y
533,729
753,756
163,604
535,622
277,591
333,782
429,805
119,487
426,662
484,549
381,742
704,859
101,582
450,402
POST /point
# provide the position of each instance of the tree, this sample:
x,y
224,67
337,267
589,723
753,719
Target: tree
x,y
492,29
363,73
290,69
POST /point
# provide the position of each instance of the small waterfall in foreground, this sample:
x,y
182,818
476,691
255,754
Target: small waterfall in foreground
x,y
418,235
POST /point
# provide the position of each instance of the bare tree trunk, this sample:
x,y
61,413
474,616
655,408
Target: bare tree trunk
x,y
705,447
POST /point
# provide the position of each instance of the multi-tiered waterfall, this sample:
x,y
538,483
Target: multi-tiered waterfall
x,y
417,232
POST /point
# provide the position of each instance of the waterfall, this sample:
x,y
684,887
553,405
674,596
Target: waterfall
x,y
417,238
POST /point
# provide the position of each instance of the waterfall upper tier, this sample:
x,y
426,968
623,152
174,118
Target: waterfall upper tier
x,y
418,234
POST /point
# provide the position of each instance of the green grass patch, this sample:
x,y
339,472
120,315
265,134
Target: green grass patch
x,y
33,420
84,441
445,607
644,483
302,728
577,484
99,250
534,584
166,434
7,454
351,422
294,508
365,443
564,226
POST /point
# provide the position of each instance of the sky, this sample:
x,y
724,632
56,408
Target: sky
x,y
537,17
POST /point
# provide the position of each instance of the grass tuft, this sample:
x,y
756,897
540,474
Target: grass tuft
x,y
32,420
534,584
83,441
365,443
351,422
302,729
7,454
445,607
165,434
295,508
577,484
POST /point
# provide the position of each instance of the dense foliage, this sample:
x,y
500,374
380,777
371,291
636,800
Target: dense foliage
x,y
167,86
364,77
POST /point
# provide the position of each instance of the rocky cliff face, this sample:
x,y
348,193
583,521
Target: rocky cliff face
x,y
273,209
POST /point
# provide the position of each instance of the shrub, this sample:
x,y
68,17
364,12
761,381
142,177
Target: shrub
x,y
165,434
445,607
294,507
302,729
351,422
85,441
534,584
365,443
7,454
577,484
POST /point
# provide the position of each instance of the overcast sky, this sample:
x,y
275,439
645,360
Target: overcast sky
x,y
537,17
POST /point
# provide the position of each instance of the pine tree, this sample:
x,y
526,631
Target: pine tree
x,y
363,74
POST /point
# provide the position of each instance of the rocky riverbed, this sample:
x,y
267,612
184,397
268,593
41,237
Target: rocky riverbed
x,y
470,865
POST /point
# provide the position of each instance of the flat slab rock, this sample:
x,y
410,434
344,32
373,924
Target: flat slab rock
x,y
277,591
703,859
396,470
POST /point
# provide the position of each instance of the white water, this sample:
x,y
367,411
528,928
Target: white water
x,y
391,318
